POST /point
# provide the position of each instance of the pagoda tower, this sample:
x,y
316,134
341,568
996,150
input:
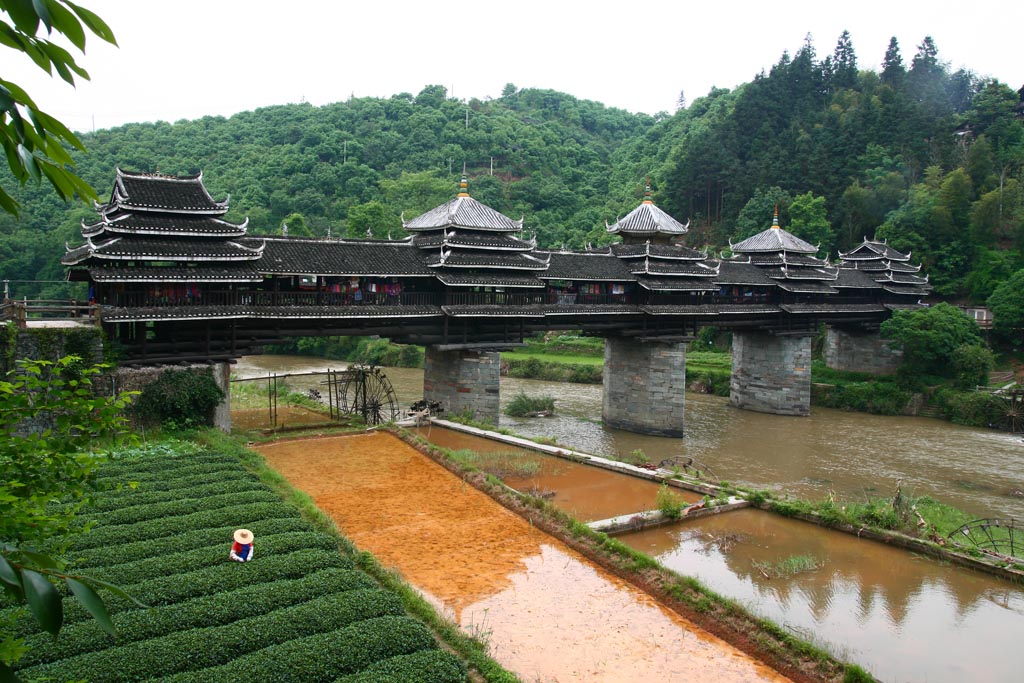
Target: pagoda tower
x,y
890,268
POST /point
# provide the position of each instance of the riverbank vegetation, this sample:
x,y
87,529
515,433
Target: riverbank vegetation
x,y
523,405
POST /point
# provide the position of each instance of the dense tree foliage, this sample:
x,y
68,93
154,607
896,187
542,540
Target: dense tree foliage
x,y
935,340
927,158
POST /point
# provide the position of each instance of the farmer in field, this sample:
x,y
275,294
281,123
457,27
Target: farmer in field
x,y
241,549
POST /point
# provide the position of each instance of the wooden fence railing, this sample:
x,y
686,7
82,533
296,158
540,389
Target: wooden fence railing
x,y
27,310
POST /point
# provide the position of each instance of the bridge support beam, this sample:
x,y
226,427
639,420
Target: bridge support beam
x,y
644,386
463,381
860,351
771,374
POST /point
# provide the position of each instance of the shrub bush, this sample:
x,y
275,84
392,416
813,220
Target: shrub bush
x,y
669,503
182,397
880,398
208,647
972,408
208,610
323,657
971,364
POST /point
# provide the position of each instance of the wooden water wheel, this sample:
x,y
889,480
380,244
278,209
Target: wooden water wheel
x,y
365,392
999,537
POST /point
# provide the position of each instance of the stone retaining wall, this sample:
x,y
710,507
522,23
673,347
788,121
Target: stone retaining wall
x,y
644,387
771,374
463,381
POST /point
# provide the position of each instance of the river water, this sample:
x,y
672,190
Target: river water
x,y
903,617
853,455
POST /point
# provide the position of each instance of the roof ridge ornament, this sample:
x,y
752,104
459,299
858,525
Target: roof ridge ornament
x,y
647,191
463,184
775,218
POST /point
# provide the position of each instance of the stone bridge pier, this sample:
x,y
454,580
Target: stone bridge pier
x,y
644,386
771,374
856,350
463,381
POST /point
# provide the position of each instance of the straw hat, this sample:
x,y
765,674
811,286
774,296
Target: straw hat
x,y
243,536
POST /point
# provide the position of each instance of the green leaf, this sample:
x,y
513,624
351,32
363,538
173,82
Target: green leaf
x,y
43,13
93,603
25,18
65,22
9,574
43,600
95,24
41,559
28,161
118,591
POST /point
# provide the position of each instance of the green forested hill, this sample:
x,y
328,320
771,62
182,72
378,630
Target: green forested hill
x,y
927,158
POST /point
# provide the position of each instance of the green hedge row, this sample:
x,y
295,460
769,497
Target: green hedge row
x,y
239,515
165,463
425,666
169,590
180,480
320,658
208,610
208,647
173,471
115,500
198,558
132,514
105,556
534,368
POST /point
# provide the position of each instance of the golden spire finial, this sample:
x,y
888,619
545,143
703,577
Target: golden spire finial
x,y
775,218
463,184
647,191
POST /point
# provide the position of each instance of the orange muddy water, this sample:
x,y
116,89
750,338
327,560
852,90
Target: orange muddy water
x,y
586,492
547,612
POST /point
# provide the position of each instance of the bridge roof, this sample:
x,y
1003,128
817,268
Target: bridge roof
x,y
850,278
661,251
164,249
647,219
463,212
159,192
318,256
185,225
742,273
241,272
871,250
584,266
773,239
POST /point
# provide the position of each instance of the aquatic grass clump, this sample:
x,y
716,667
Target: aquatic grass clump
x,y
501,465
788,566
669,503
522,405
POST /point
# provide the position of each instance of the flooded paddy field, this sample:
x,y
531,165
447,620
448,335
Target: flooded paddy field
x,y
548,613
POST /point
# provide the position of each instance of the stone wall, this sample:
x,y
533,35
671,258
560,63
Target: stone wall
x,y
463,381
859,351
771,374
137,378
644,387
51,343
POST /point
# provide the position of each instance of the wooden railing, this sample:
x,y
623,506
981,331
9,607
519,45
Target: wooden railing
x,y
27,310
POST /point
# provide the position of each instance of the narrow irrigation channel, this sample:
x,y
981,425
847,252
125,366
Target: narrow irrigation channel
x,y
548,613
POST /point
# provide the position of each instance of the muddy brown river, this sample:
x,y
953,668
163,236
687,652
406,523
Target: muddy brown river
x,y
905,618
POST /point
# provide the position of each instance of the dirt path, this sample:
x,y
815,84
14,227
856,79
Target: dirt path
x,y
549,614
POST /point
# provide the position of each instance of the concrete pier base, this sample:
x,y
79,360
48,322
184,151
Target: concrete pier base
x,y
771,374
463,382
644,386
860,351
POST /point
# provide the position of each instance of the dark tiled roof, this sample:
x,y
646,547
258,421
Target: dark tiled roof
x,y
509,261
908,290
648,219
850,278
696,309
158,192
832,308
740,273
242,272
902,267
806,287
463,212
871,250
340,257
747,309
773,239
669,251
685,268
784,258
165,249
471,240
680,284
589,309
165,224
904,306
799,273
907,279
492,280
493,311
586,267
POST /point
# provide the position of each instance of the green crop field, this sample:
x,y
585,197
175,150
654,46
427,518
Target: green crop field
x,y
300,611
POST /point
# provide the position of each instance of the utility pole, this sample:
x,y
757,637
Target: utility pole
x,y
345,153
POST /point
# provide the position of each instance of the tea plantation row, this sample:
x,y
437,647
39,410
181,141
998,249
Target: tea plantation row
x,y
300,611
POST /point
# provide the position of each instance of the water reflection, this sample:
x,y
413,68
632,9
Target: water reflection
x,y
903,617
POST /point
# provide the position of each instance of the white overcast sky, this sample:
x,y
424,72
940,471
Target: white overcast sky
x,y
183,59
